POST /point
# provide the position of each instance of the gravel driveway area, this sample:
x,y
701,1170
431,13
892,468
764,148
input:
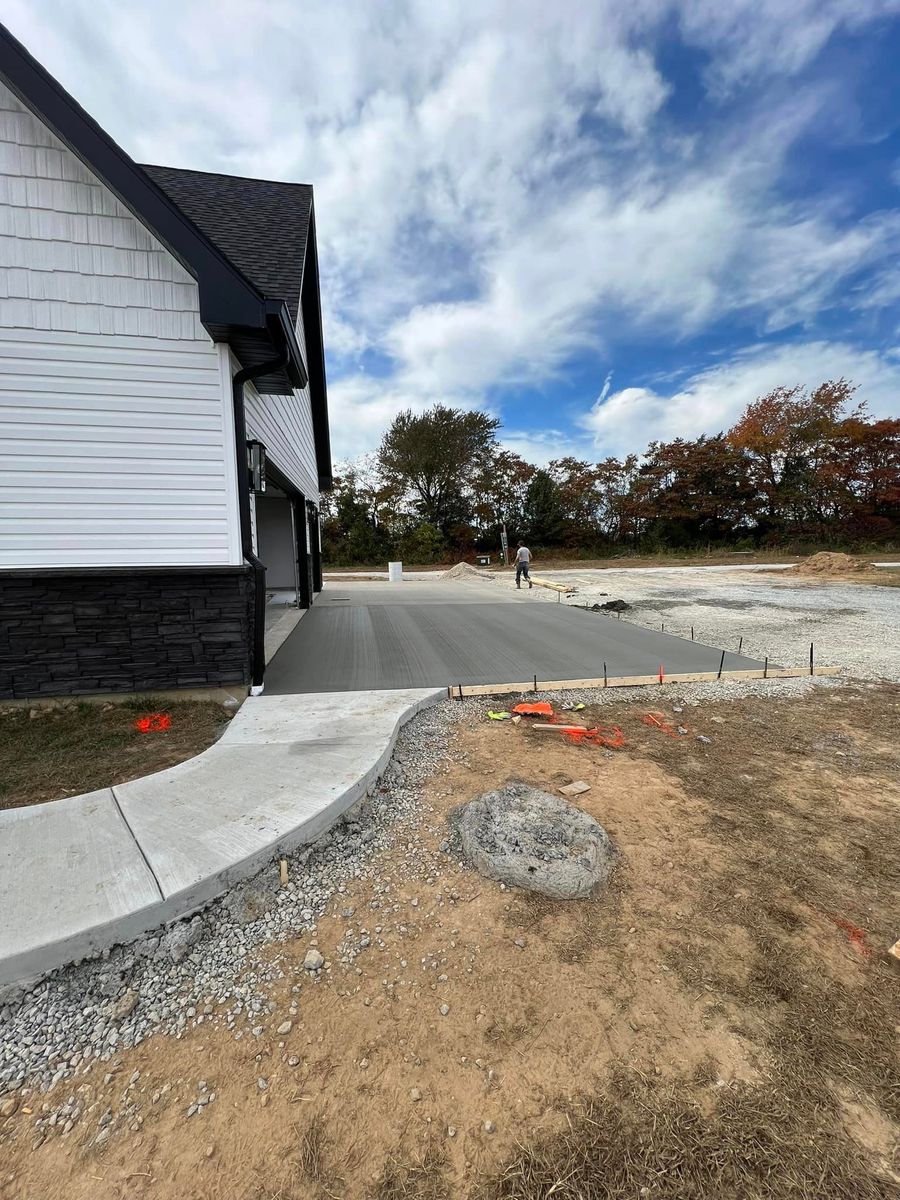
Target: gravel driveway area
x,y
853,626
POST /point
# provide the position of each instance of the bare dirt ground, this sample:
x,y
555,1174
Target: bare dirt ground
x,y
722,1022
64,749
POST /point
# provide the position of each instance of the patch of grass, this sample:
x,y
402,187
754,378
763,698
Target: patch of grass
x,y
312,1145
404,1178
641,1138
50,752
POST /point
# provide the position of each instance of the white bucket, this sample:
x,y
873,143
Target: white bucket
x,y
395,572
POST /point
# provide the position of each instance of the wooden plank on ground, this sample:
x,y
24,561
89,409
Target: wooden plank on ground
x,y
562,685
565,588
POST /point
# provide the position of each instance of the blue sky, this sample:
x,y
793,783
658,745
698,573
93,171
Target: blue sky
x,y
605,223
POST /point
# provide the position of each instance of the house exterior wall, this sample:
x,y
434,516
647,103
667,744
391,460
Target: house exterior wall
x,y
115,404
284,426
78,632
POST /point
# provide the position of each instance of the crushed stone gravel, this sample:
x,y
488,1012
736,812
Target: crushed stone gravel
x,y
213,968
854,626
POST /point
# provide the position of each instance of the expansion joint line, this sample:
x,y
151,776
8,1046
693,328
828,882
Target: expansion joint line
x,y
137,843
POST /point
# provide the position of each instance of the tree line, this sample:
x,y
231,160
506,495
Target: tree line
x,y
799,469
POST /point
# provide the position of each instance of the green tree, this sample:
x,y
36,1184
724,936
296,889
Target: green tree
x,y
437,456
543,513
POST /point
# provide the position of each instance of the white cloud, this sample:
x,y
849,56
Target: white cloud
x,y
500,185
761,39
712,400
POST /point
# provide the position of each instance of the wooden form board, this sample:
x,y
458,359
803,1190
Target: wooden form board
x,y
460,692
553,587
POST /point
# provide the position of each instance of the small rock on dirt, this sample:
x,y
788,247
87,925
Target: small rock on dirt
x,y
314,960
528,838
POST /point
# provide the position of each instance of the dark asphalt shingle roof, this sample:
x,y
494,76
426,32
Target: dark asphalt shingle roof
x,y
260,226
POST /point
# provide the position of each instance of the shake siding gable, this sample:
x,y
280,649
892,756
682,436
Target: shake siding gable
x,y
115,432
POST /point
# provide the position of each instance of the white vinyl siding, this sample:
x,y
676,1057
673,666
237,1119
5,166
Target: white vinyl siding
x,y
284,426
116,442
116,452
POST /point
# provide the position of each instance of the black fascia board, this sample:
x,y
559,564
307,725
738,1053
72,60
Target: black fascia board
x,y
226,296
296,368
311,314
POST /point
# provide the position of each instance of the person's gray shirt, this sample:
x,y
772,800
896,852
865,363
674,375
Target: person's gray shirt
x,y
523,554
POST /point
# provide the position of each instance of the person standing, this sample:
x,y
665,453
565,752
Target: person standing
x,y
523,558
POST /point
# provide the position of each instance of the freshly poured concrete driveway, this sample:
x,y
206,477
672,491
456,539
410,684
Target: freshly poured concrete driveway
x,y
439,632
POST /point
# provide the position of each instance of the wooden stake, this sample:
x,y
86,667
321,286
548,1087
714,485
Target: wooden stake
x,y
284,872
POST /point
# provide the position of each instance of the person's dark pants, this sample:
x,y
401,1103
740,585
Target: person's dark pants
x,y
522,569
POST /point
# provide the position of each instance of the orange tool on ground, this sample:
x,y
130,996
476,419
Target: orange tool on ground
x,y
656,720
540,709
577,734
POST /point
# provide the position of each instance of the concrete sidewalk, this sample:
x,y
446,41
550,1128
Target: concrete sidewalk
x,y
85,873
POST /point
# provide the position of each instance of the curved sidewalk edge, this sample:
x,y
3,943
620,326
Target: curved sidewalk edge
x,y
82,874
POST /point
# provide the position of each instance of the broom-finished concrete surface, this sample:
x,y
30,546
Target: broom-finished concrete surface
x,y
81,874
441,632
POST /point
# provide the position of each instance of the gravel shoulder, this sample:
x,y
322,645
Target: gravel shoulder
x,y
853,626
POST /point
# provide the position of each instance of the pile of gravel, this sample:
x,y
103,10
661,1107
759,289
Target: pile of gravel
x,y
462,570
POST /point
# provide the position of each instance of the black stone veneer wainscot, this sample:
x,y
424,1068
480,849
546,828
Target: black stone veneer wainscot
x,y
67,633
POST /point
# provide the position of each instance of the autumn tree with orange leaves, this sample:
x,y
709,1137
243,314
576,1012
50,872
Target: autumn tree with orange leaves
x,y
800,468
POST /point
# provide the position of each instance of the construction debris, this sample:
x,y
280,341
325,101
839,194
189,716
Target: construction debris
x,y
657,720
527,838
611,606
566,589
577,788
498,716
541,709
613,738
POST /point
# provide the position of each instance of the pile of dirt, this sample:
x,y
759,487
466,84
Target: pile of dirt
x,y
830,563
611,606
527,838
462,570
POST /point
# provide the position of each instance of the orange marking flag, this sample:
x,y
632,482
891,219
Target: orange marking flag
x,y
154,723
